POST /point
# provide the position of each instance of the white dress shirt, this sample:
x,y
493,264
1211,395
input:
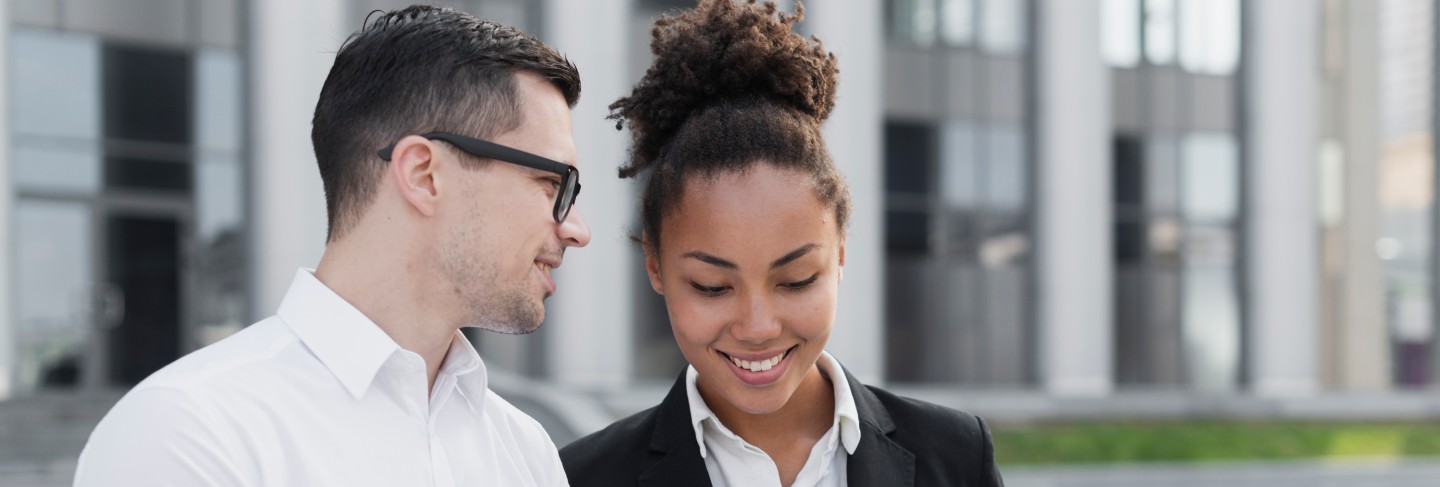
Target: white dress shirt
x,y
317,395
731,461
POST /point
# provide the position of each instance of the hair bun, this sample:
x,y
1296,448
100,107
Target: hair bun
x,y
724,51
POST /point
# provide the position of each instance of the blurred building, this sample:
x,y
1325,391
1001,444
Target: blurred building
x,y
1053,198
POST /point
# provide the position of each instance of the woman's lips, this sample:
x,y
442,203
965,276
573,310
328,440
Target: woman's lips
x,y
759,369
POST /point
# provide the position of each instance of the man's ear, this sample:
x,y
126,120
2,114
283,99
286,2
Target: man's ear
x,y
413,170
841,274
652,265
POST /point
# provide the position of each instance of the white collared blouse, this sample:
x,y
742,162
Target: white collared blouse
x,y
731,461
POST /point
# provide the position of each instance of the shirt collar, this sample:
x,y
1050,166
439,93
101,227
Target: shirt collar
x,y
348,343
847,416
463,362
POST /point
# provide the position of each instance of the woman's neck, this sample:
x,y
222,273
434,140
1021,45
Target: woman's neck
x,y
787,435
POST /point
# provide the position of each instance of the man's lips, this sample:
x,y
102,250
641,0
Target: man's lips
x,y
544,267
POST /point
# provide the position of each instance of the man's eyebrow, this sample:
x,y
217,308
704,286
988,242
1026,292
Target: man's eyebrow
x,y
712,260
794,254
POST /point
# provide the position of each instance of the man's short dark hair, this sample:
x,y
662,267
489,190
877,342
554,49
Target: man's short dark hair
x,y
418,70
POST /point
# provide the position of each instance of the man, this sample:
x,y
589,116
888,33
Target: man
x,y
440,139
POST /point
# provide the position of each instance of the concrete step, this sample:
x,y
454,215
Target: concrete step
x,y
46,429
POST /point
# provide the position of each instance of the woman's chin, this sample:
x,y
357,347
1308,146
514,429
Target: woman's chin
x,y
758,402
759,406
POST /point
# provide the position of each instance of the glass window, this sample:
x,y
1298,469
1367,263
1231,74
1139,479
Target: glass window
x,y
1211,321
1003,26
218,182
957,22
1160,36
907,232
56,165
909,293
219,176
1406,189
220,287
148,174
148,94
1007,335
957,193
913,21
1163,174
1129,190
1210,36
957,294
909,152
219,198
53,261
1211,177
54,84
959,167
1128,153
218,117
1210,316
1120,32
1006,169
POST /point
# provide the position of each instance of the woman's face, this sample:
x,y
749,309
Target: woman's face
x,y
749,265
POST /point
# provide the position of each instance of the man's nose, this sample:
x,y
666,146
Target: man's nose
x,y
573,231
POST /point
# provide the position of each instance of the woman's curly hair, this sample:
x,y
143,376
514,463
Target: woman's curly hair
x,y
731,85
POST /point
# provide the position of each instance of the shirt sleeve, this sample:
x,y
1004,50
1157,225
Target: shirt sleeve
x,y
157,436
554,470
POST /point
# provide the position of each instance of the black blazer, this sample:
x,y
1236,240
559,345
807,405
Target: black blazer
x,y
903,442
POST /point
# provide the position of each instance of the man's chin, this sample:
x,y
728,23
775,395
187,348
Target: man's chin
x,y
510,328
512,325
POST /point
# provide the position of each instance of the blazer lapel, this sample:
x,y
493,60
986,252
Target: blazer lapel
x,y
674,441
877,460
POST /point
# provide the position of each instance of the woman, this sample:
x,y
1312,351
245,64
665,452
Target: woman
x,y
744,218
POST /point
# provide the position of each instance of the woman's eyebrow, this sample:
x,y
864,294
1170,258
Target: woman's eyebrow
x,y
794,254
710,259
725,264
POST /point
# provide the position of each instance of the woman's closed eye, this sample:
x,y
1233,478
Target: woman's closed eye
x,y
802,284
788,286
709,290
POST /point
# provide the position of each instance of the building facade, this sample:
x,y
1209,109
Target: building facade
x,y
1054,199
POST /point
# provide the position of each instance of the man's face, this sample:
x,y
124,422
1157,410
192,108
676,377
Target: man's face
x,y
500,240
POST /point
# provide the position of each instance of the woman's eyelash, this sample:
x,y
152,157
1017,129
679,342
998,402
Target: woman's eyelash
x,y
801,284
789,286
708,290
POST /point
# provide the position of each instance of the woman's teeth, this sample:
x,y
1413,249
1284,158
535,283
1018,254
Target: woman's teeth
x,y
758,365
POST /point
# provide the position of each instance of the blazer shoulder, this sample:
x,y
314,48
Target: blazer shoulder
x,y
949,444
916,417
610,452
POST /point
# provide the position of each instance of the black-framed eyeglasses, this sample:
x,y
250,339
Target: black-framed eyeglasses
x,y
569,175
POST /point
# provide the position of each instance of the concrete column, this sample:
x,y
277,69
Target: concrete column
x,y
291,47
7,197
1074,216
591,317
853,133
1282,76
1364,338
